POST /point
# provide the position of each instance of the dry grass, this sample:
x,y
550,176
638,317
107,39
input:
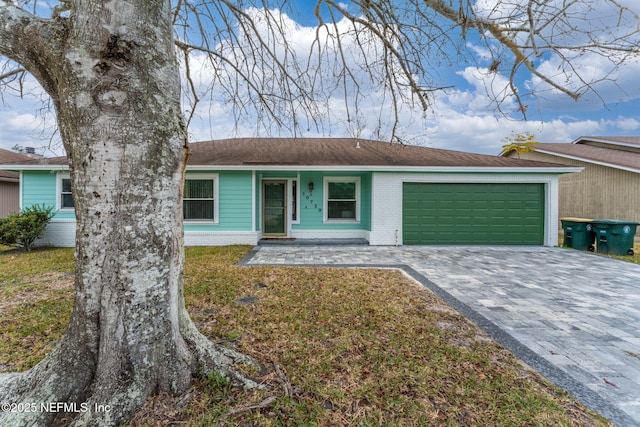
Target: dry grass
x,y
341,347
635,258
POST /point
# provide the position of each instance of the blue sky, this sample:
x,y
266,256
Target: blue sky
x,y
462,118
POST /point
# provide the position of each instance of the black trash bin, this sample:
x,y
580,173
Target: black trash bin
x,y
614,237
578,233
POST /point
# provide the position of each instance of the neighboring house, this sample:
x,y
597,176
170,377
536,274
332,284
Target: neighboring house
x,y
239,191
609,185
10,183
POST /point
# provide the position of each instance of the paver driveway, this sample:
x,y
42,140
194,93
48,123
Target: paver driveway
x,y
573,316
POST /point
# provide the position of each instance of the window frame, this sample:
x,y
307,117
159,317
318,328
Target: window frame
x,y
59,186
216,197
341,179
294,199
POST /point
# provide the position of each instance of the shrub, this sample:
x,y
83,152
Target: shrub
x,y
25,228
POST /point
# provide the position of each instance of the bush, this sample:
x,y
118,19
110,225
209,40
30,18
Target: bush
x,y
25,228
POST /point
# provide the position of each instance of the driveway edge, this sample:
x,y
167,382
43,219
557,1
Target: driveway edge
x,y
557,376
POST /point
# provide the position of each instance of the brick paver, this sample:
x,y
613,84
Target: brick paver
x,y
573,316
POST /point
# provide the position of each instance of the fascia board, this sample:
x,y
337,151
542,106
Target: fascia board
x,y
396,169
43,167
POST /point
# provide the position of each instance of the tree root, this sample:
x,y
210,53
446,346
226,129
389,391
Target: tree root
x,y
75,386
37,396
287,390
212,357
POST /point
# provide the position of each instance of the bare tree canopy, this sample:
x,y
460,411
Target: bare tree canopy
x,y
245,53
114,72
405,49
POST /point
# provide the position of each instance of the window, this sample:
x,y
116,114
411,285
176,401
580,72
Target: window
x,y
199,200
342,199
65,196
294,201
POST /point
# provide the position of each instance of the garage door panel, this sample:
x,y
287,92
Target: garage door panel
x,y
492,213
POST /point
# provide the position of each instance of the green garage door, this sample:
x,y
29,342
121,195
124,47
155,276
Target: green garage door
x,y
496,214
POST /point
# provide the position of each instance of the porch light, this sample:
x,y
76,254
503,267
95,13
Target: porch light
x,y
310,187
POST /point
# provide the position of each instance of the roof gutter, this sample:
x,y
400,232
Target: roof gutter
x,y
333,168
39,167
373,168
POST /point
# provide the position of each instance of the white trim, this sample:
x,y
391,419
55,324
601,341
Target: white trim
x,y
216,197
38,167
220,238
59,177
253,202
582,159
325,199
20,189
330,234
295,208
398,169
334,168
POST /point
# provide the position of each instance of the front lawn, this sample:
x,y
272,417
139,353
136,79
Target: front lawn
x,y
342,347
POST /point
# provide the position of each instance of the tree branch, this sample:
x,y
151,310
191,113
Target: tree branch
x,y
12,73
32,42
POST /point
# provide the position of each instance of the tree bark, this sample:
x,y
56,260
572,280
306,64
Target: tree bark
x,y
112,73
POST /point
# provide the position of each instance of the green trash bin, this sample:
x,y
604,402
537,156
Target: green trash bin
x,y
614,237
578,233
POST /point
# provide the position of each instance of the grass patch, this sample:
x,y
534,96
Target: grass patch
x,y
635,258
359,347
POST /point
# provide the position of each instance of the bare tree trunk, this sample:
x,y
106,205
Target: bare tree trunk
x,y
113,76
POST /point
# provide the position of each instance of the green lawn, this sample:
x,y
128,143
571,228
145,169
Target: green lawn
x,y
343,347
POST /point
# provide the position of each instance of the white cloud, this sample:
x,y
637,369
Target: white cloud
x,y
464,118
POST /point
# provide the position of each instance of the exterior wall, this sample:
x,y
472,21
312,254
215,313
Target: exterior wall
x,y
220,238
38,188
234,225
235,208
386,225
312,206
598,192
9,198
59,233
240,202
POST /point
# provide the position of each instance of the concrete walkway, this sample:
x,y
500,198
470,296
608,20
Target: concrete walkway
x,y
573,316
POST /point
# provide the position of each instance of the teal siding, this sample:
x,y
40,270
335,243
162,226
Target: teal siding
x,y
234,199
38,188
312,203
365,203
234,203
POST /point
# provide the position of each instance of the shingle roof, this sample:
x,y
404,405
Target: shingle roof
x,y
330,152
338,152
606,155
616,140
11,157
